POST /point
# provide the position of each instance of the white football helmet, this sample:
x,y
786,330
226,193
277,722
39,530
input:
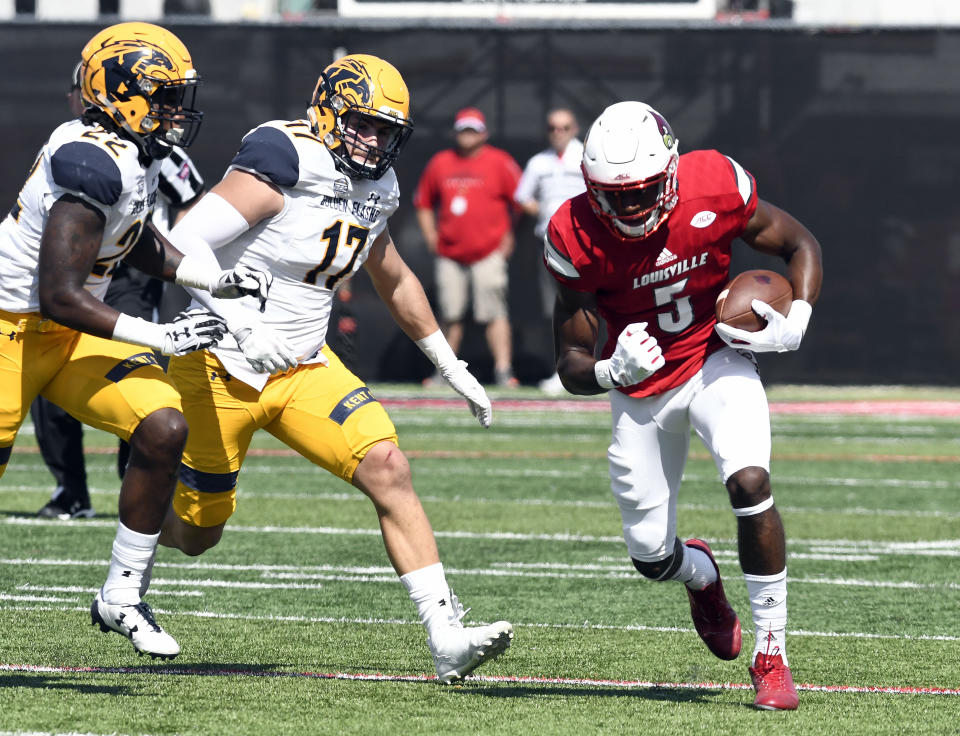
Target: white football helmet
x,y
630,159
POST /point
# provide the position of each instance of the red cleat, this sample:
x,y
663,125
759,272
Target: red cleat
x,y
716,622
773,682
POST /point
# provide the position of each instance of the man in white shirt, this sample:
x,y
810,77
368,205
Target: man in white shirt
x,y
550,178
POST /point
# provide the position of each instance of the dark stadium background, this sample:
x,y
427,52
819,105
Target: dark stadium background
x,y
855,132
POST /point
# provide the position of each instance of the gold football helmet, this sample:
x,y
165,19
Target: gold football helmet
x,y
141,76
355,90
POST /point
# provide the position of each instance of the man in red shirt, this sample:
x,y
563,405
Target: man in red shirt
x,y
647,248
465,208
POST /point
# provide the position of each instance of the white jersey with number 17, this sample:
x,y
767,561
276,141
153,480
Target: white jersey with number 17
x,y
320,238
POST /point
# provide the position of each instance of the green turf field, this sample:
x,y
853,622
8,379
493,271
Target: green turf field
x,y
295,624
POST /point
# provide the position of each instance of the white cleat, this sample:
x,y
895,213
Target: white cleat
x,y
136,622
458,651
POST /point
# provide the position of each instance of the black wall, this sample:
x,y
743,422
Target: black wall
x,y
855,133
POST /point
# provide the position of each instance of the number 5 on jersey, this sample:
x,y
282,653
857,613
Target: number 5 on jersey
x,y
679,317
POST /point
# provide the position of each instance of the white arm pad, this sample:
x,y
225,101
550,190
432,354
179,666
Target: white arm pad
x,y
139,332
210,224
437,348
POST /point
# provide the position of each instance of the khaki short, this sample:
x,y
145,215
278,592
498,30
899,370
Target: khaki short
x,y
485,281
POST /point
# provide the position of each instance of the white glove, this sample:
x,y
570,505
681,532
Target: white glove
x,y
636,356
463,382
264,349
438,350
243,281
193,329
780,335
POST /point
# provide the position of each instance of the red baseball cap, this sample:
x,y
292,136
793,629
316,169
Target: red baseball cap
x,y
472,118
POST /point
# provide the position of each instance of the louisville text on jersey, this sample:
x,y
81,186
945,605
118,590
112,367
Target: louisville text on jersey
x,y
674,269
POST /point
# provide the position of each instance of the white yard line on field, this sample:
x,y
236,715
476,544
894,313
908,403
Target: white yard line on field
x,y
94,589
171,670
578,626
599,503
352,574
930,548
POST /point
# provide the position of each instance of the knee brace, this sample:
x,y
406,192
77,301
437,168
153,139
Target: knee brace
x,y
664,569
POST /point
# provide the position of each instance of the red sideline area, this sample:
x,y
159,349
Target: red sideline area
x,y
378,677
923,408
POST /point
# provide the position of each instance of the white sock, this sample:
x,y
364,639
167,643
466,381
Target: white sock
x,y
696,571
132,553
428,589
147,575
768,604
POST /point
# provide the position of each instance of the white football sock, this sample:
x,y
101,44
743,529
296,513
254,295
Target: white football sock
x,y
132,553
768,604
428,589
147,575
696,571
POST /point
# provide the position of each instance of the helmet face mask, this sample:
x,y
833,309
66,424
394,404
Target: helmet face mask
x,y
636,209
630,163
141,76
172,117
361,110
357,128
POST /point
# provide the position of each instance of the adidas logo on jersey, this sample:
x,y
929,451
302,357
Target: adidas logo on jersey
x,y
664,258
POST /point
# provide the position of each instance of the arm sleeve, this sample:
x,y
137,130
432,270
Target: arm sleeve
x,y
210,224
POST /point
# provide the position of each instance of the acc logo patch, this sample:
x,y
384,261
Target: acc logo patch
x,y
703,219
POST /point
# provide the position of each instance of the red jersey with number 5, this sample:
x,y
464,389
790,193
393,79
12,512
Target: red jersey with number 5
x,y
671,278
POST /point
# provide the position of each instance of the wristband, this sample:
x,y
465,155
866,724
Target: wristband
x,y
601,370
437,348
139,332
799,314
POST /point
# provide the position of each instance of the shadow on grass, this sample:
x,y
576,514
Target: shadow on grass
x,y
65,681
20,514
533,690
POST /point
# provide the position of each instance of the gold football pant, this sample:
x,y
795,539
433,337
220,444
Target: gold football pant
x,y
324,412
106,384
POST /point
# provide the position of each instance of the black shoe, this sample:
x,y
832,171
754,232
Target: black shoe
x,y
73,510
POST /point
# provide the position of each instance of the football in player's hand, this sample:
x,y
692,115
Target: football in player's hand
x,y
733,303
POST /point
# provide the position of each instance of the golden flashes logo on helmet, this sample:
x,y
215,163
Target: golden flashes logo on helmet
x,y
131,63
350,79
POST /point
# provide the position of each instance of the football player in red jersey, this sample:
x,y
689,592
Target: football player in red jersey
x,y
647,249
